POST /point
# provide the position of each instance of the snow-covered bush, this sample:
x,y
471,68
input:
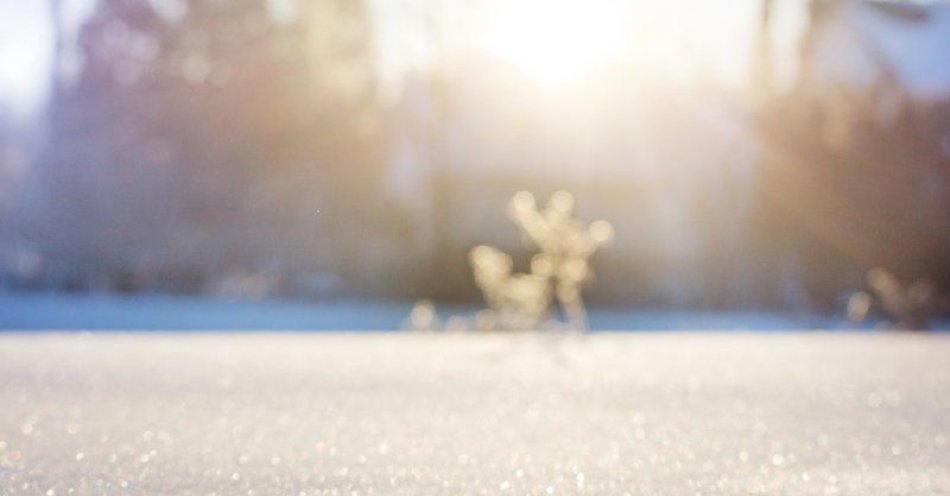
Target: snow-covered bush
x,y
909,306
558,271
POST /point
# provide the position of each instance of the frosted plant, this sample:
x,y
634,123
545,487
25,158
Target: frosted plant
x,y
517,301
561,267
423,317
565,243
910,305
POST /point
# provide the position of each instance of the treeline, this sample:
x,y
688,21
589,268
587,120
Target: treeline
x,y
857,176
219,144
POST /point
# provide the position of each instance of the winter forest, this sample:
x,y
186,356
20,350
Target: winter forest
x,y
540,247
315,150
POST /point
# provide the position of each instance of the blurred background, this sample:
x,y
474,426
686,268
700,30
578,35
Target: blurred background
x,y
752,155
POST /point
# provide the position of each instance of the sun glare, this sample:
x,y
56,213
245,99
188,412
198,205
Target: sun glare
x,y
556,41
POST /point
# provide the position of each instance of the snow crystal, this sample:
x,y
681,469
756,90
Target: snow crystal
x,y
415,413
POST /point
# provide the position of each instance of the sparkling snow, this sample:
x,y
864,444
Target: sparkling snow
x,y
347,414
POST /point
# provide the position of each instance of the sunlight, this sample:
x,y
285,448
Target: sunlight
x,y
557,41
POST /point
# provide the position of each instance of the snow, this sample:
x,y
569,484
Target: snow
x,y
36,311
414,414
53,311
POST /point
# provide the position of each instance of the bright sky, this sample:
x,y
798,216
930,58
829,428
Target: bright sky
x,y
555,40
25,47
551,40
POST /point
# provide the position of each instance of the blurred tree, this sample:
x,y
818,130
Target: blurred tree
x,y
208,139
765,67
858,172
8,172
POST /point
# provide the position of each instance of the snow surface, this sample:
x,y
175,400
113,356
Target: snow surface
x,y
45,311
346,414
52,311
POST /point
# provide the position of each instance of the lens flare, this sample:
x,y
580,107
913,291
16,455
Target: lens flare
x,y
557,41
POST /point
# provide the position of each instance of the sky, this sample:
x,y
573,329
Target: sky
x,y
717,31
25,48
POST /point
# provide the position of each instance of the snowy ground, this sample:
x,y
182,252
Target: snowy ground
x,y
293,414
50,311
43,311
